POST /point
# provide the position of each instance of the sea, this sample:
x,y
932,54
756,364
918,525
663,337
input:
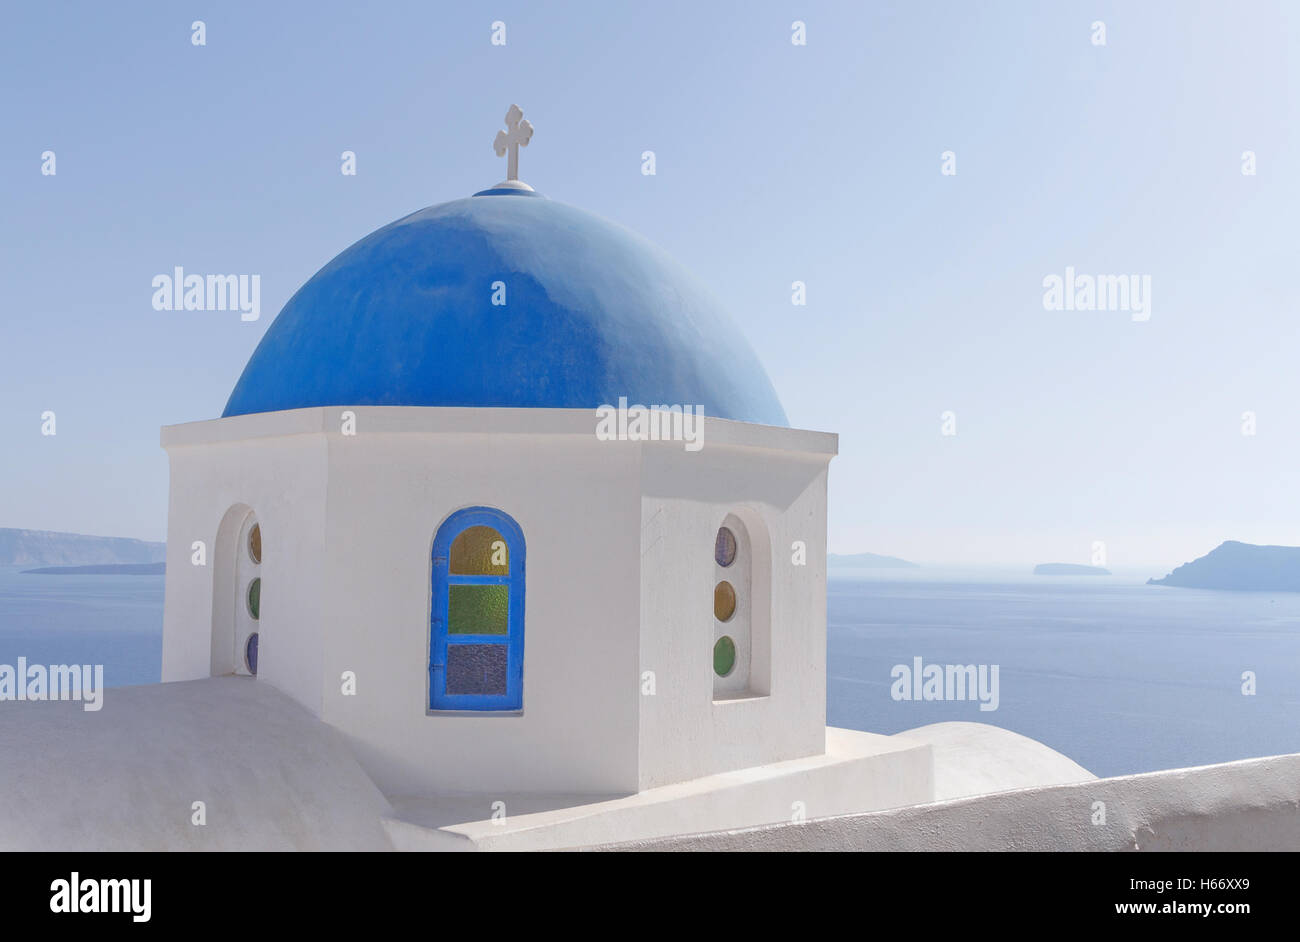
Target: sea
x,y
1120,676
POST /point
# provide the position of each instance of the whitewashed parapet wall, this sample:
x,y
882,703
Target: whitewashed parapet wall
x,y
1250,805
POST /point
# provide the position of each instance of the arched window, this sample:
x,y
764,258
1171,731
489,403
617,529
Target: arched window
x,y
741,626
476,631
248,610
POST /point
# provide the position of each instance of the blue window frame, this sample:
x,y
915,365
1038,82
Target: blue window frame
x,y
476,629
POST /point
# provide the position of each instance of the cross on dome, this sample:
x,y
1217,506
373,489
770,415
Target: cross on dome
x,y
519,132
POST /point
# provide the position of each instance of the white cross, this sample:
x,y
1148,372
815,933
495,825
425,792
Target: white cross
x,y
519,134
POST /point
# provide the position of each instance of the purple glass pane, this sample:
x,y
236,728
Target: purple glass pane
x,y
250,653
476,668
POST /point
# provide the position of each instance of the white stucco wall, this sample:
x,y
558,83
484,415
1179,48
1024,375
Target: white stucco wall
x,y
275,466
778,488
575,500
349,509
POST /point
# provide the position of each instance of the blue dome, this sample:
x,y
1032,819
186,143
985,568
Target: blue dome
x,y
593,312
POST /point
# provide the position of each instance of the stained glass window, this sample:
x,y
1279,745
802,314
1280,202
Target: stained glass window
x,y
250,653
724,656
478,609
477,669
724,548
724,601
480,551
476,649
255,598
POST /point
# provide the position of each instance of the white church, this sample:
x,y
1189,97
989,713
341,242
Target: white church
x,y
436,581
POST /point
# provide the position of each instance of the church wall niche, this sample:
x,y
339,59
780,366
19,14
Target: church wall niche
x,y
693,726
231,573
743,579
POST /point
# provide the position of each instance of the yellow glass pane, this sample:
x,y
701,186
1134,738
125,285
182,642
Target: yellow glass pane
x,y
724,601
478,610
479,551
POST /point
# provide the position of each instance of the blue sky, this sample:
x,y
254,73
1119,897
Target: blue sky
x,y
775,163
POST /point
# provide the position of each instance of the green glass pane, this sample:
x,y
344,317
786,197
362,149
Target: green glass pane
x,y
255,598
724,656
478,610
479,551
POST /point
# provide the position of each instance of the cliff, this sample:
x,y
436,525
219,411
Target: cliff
x,y
101,569
868,561
1241,567
47,548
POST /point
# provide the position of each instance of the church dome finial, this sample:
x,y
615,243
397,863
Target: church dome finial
x,y
519,131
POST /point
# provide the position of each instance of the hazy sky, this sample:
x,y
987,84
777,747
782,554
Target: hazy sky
x,y
775,163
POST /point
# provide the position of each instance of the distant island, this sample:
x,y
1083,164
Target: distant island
x,y
105,569
868,561
1242,567
1069,569
49,548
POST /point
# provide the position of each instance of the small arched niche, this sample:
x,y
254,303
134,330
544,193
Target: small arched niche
x,y
237,593
742,574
